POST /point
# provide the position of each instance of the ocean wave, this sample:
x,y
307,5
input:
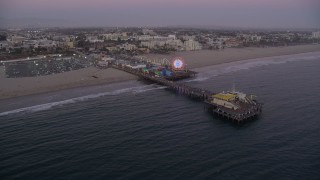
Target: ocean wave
x,y
42,107
138,91
216,70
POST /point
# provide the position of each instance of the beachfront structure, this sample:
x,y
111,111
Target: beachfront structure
x,y
316,35
176,44
192,45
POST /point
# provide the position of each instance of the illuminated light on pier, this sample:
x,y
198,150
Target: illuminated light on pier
x,y
178,63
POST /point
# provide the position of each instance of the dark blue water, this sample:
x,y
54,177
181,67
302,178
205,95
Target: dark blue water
x,y
137,131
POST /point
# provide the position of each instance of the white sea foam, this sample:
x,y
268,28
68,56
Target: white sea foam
x,y
42,107
150,89
212,71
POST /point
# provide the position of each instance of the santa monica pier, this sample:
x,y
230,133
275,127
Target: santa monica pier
x,y
232,105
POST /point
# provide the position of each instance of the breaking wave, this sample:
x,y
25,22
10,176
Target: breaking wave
x,y
216,70
42,107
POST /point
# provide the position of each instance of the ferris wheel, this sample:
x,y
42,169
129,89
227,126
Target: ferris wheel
x,y
178,63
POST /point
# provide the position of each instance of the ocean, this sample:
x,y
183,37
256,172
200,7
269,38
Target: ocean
x,y
136,130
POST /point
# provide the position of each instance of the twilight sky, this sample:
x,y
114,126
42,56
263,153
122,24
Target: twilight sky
x,y
230,13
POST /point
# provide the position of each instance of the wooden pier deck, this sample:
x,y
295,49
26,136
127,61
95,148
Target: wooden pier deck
x,y
238,116
181,88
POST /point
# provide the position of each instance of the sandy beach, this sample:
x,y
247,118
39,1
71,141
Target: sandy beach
x,y
13,87
197,59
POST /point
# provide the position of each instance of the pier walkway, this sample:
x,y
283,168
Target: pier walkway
x,y
181,88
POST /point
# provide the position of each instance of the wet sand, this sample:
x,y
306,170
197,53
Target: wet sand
x,y
13,87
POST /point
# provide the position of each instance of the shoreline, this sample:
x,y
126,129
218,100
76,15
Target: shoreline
x,y
15,87
62,81
214,57
199,69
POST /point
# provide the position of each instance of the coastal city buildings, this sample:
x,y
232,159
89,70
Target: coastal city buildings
x,y
29,42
